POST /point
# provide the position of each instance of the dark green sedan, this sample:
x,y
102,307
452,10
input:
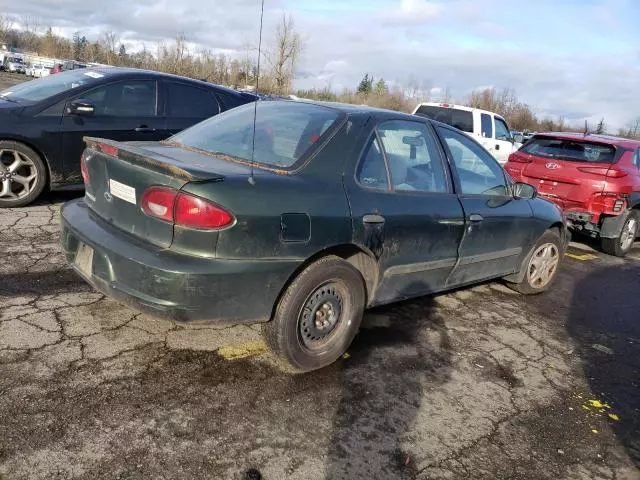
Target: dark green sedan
x,y
301,217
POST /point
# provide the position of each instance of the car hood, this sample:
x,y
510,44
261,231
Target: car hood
x,y
6,106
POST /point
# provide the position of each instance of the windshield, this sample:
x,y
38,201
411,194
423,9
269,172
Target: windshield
x,y
460,119
571,150
285,131
15,60
42,88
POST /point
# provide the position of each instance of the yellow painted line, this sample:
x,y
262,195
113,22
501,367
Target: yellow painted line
x,y
250,349
582,257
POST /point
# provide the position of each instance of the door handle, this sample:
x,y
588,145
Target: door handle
x,y
144,128
373,219
474,217
497,147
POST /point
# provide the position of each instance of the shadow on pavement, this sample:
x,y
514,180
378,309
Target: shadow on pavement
x,y
381,390
604,320
56,197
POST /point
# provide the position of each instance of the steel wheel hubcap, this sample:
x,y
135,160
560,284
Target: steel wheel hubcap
x,y
18,174
628,235
320,315
543,265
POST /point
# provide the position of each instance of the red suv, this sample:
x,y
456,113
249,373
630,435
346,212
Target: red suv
x,y
594,179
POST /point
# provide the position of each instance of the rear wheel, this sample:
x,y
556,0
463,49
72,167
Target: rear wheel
x,y
541,267
318,315
22,174
623,243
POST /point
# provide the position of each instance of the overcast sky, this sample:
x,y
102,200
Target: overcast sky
x,y
577,58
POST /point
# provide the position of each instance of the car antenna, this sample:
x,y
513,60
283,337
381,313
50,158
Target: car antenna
x,y
252,180
586,128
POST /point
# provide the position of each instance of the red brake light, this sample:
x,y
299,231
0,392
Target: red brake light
x,y
445,105
158,202
184,209
196,212
109,149
84,169
516,157
603,171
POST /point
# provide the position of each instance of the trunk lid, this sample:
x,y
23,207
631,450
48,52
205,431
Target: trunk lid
x,y
119,173
570,173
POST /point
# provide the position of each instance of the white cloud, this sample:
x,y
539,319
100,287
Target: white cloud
x,y
414,12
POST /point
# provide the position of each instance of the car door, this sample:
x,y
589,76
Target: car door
x,y
503,142
186,105
498,228
404,210
125,111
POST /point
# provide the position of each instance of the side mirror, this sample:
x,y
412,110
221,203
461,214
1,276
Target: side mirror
x,y
519,138
524,191
80,107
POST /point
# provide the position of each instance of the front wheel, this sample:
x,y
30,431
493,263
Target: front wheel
x,y
23,175
541,266
318,315
623,243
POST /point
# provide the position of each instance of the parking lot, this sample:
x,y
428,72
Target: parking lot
x,y
480,383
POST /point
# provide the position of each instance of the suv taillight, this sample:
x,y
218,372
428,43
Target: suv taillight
x,y
84,170
519,158
604,171
184,209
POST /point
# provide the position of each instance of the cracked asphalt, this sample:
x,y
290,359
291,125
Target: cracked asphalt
x,y
477,384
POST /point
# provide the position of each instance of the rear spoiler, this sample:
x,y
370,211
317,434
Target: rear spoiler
x,y
152,160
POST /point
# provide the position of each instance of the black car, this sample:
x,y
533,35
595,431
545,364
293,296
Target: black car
x,y
325,211
42,122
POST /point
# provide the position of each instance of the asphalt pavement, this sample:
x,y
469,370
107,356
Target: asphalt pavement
x,y
481,383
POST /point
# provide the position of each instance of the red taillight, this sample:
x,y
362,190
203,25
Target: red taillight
x,y
196,212
516,157
84,170
603,171
158,202
184,209
109,149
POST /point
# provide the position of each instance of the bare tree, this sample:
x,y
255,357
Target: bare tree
x,y
110,42
287,49
6,24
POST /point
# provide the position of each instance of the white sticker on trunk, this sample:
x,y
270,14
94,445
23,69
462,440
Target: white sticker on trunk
x,y
94,74
122,191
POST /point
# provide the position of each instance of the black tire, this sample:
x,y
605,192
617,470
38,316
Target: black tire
x,y
332,281
614,246
528,286
40,174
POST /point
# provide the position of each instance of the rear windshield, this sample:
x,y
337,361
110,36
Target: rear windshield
x,y
572,150
460,119
284,132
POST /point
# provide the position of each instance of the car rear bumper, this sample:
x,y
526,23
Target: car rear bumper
x,y
163,283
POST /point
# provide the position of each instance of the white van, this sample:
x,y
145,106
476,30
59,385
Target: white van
x,y
489,128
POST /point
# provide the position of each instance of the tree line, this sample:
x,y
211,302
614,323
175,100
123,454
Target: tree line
x,y
280,58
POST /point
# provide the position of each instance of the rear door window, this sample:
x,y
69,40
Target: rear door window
x,y
460,119
570,150
186,101
413,158
486,125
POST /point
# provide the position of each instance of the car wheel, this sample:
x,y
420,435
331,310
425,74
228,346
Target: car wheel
x,y
622,244
318,315
541,265
22,174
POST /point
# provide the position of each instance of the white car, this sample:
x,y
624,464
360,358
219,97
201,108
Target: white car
x,y
40,71
489,128
14,64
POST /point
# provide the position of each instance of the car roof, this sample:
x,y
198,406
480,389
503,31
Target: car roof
x,y
606,139
111,72
454,106
352,109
